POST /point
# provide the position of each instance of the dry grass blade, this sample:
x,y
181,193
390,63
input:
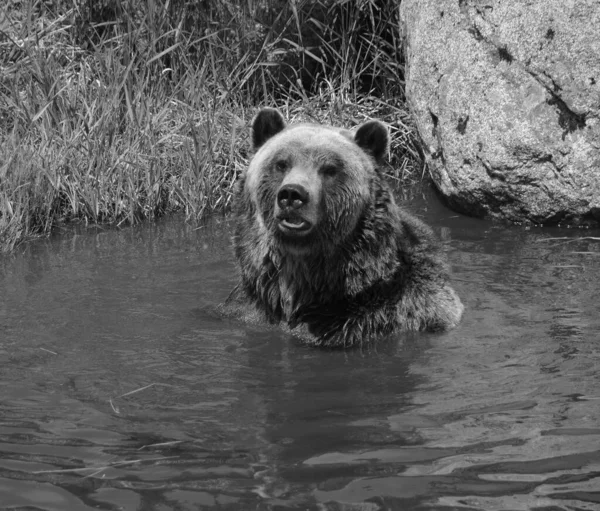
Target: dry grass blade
x,y
136,390
103,467
49,351
161,444
567,239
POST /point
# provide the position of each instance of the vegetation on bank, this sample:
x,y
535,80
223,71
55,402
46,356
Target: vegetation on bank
x,y
115,112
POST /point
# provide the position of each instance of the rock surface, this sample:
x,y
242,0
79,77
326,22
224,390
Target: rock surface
x,y
506,97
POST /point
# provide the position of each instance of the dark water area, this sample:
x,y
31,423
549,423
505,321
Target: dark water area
x,y
120,389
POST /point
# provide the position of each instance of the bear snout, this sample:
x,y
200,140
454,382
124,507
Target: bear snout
x,y
294,211
292,196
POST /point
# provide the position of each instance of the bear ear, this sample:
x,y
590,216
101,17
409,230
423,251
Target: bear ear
x,y
268,122
373,138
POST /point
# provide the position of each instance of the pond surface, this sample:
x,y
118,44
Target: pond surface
x,y
121,390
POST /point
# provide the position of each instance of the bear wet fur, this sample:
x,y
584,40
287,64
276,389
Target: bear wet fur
x,y
321,245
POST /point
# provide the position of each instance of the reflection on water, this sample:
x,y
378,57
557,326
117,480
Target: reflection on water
x,y
120,388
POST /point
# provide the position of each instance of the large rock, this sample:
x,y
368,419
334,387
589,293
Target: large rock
x,y
506,97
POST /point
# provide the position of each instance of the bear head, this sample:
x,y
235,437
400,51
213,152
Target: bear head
x,y
308,185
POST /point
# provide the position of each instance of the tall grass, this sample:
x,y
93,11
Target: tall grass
x,y
115,112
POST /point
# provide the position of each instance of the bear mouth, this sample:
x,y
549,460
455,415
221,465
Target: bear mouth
x,y
294,226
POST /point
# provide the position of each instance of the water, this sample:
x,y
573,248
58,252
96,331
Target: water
x,y
502,413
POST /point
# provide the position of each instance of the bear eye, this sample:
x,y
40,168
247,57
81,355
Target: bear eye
x,y
329,170
280,165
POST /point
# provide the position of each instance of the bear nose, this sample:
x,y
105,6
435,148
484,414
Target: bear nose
x,y
292,196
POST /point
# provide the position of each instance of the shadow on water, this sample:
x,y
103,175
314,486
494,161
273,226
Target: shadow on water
x,y
121,389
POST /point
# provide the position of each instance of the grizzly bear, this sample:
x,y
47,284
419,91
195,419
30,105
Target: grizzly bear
x,y
321,244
